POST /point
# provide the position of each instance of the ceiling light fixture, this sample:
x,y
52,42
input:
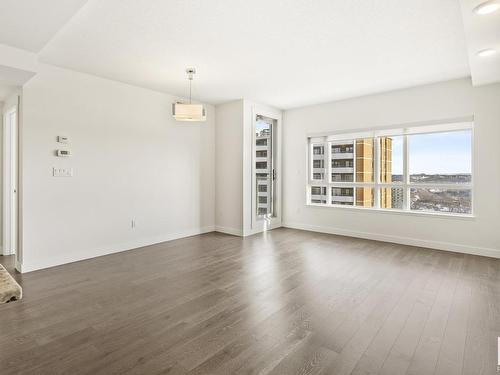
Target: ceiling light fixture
x,y
487,7
189,112
486,52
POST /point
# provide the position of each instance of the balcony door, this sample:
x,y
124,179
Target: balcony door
x,y
266,172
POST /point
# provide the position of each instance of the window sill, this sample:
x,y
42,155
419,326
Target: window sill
x,y
397,212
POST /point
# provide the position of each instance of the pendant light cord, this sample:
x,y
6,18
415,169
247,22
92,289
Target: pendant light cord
x,y
190,84
190,72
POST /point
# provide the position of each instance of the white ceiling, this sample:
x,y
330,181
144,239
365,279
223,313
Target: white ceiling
x,y
30,24
285,53
482,32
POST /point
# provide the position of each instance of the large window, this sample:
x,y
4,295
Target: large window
x,y
419,169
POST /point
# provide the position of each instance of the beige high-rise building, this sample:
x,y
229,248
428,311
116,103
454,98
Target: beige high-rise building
x,y
356,159
365,168
386,171
365,171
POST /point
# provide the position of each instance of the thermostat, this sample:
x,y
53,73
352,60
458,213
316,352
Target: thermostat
x,y
62,139
63,153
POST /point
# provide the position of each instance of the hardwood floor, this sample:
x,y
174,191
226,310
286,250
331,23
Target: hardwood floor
x,y
285,302
8,261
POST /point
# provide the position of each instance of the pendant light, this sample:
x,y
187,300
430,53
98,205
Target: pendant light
x,y
189,112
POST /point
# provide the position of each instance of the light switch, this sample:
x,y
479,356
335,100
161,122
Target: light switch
x,y
62,172
63,153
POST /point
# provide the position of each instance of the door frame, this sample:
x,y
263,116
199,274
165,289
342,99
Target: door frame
x,y
274,222
10,181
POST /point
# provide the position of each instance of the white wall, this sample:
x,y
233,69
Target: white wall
x,y
447,100
234,145
2,107
131,160
228,169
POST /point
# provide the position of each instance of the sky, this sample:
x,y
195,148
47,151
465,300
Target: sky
x,y
260,125
441,153
444,153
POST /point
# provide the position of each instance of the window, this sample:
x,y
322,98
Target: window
x,y
318,194
439,164
343,196
318,162
418,169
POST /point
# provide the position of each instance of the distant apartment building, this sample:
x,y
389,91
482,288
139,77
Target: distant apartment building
x,y
397,198
263,172
318,162
318,193
353,161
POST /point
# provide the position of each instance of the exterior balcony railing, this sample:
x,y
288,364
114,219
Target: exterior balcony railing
x,y
318,170
342,198
342,155
342,169
318,197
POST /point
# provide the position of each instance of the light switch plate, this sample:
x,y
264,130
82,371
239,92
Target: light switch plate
x,y
62,172
63,153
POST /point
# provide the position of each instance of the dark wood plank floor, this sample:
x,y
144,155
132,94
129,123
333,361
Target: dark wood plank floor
x,y
9,263
285,302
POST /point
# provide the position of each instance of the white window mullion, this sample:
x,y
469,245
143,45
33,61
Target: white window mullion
x,y
328,162
376,165
310,163
328,171
406,177
354,169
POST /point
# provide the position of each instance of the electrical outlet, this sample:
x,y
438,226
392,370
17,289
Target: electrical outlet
x,y
62,172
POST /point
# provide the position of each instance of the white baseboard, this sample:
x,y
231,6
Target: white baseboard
x,y
438,245
228,230
240,232
7,253
64,259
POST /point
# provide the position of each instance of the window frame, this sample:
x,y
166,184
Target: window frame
x,y
405,132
